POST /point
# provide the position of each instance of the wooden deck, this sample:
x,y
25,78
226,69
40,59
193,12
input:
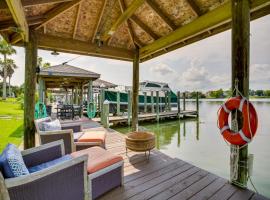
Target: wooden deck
x,y
151,116
162,177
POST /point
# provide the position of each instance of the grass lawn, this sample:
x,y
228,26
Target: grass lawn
x,y
11,123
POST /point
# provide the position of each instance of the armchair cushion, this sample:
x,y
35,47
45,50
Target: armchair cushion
x,y
52,126
12,163
93,136
49,164
98,158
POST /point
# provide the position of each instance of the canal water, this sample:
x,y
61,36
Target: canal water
x,y
199,141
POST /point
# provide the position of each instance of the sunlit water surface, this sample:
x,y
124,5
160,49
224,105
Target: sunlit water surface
x,y
200,143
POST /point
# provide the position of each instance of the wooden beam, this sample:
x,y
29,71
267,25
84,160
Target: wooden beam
x,y
18,15
212,19
127,14
57,11
161,14
197,11
29,90
145,28
9,25
99,20
84,48
27,3
77,20
135,90
130,31
240,75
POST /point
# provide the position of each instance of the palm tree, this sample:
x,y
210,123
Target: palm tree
x,y
5,49
11,66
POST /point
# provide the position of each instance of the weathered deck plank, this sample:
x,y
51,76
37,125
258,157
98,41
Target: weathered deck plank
x,y
162,177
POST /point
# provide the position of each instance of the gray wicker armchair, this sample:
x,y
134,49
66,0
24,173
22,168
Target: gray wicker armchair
x,y
69,134
64,181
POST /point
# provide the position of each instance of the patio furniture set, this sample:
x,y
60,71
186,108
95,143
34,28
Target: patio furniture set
x,y
71,163
68,111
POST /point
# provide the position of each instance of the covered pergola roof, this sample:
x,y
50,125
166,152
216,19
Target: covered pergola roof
x,y
114,28
66,76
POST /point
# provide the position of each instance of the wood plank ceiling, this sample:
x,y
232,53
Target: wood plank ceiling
x,y
114,28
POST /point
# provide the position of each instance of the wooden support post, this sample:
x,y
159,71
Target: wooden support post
x,y
76,95
129,107
135,90
197,103
152,102
106,106
240,72
178,104
169,101
184,101
118,103
165,101
145,102
81,94
72,96
29,89
157,105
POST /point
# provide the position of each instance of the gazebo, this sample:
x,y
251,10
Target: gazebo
x,y
71,79
134,31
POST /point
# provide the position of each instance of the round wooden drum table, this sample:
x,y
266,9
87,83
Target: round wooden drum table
x,y
140,141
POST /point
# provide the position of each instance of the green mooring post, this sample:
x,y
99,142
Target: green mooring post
x,y
118,103
240,74
129,107
106,110
145,102
184,101
152,102
157,105
178,104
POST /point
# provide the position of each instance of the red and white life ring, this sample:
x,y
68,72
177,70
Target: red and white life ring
x,y
250,121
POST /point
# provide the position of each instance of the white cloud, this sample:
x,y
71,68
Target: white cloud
x,y
162,70
198,77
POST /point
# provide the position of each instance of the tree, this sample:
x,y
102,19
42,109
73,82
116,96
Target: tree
x,y
259,93
43,64
5,49
217,94
11,66
267,93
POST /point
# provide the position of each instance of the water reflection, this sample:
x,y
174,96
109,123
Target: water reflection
x,y
200,143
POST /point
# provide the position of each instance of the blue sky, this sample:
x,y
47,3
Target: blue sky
x,y
205,65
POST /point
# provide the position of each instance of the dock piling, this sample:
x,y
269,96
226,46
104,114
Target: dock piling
x,y
197,103
184,101
152,102
157,105
178,103
169,101
118,104
129,107
145,102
